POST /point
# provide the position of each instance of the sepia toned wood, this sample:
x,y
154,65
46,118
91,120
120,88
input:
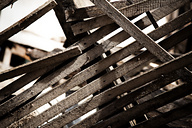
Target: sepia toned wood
x,y
26,21
104,20
19,83
91,11
133,30
144,58
137,85
93,87
40,63
167,117
46,98
147,106
47,61
5,3
59,11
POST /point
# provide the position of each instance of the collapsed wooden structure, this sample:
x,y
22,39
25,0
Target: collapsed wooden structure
x,y
122,93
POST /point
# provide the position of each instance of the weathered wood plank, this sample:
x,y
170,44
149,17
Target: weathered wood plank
x,y
104,20
167,117
133,30
147,106
88,12
84,92
26,21
145,57
40,63
63,5
105,80
5,3
19,83
114,106
47,61
120,37
67,70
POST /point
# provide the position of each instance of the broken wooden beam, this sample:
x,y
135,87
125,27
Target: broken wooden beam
x,y
88,12
40,63
142,58
26,21
105,20
83,59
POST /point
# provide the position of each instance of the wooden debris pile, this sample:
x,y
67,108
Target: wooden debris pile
x,y
144,84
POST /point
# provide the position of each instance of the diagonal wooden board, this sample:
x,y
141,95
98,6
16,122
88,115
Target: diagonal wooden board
x,y
27,20
41,63
129,11
133,30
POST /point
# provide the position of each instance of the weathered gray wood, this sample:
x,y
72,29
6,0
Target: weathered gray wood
x,y
91,11
5,3
89,89
104,20
114,106
40,63
133,30
103,81
26,21
19,83
83,59
144,58
167,117
120,37
122,118
63,5
80,61
47,61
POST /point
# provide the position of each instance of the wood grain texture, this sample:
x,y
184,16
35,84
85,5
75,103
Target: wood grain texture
x,y
167,117
88,12
40,63
26,21
82,59
44,62
127,11
143,58
89,89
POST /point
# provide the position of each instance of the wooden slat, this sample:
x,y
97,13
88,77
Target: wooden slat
x,y
5,3
133,30
73,66
40,63
19,83
26,21
122,118
120,37
84,92
59,11
47,61
104,20
145,57
103,81
167,117
52,95
113,107
88,12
